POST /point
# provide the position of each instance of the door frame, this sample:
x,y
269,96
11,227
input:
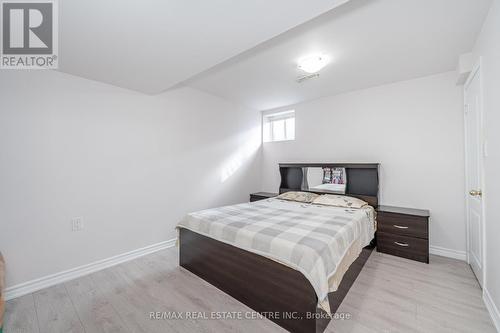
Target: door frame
x,y
476,70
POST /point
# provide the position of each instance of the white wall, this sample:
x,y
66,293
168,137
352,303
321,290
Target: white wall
x,y
413,128
488,46
130,164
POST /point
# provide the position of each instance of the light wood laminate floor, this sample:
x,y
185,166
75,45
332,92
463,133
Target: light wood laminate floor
x,y
390,295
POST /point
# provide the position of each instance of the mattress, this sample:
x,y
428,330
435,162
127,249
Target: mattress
x,y
319,241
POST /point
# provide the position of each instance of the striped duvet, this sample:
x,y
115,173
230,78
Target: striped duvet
x,y
315,240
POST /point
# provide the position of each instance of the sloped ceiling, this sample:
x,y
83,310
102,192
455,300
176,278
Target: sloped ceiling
x,y
151,45
372,42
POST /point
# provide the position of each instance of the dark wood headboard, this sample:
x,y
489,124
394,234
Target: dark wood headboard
x,y
362,179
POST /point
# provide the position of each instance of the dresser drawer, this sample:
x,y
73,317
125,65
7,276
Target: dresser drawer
x,y
405,225
261,196
403,246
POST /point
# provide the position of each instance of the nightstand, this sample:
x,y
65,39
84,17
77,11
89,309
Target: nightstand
x,y
261,196
403,232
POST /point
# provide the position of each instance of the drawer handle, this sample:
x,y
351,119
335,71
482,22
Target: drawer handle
x,y
399,226
401,244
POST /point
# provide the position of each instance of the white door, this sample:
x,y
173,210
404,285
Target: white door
x,y
474,165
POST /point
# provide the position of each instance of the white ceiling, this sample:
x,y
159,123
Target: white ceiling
x,y
372,42
151,45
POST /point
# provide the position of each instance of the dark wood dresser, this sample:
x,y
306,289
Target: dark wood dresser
x,y
261,196
403,232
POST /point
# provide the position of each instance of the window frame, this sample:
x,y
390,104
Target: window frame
x,y
270,118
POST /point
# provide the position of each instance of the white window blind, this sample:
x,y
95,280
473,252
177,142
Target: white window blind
x,y
279,126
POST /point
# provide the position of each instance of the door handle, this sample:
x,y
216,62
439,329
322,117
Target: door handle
x,y
475,193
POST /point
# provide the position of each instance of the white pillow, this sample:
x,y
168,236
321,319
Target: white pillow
x,y
339,201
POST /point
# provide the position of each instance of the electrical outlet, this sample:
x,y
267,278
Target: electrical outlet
x,y
77,224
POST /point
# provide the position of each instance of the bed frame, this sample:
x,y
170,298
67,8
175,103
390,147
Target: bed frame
x,y
276,291
362,179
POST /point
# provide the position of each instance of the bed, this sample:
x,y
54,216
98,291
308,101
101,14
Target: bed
x,y
292,262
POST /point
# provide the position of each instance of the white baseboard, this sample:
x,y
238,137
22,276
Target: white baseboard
x,y
492,309
53,279
444,252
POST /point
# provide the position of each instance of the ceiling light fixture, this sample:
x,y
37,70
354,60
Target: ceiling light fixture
x,y
313,63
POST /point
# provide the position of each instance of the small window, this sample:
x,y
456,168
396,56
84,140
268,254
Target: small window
x,y
278,126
